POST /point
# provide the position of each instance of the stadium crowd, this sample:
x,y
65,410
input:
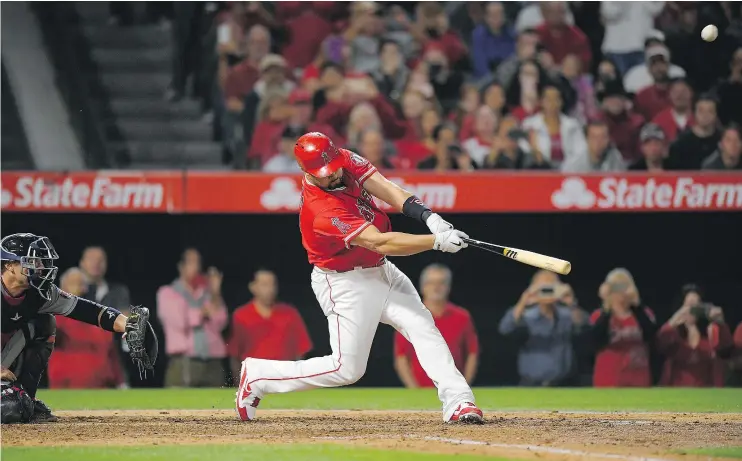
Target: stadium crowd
x,y
579,87
559,342
575,87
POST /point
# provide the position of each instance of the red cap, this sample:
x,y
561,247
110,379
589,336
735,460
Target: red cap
x,y
316,154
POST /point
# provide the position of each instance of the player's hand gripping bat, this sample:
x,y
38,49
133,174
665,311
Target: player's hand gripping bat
x,y
557,265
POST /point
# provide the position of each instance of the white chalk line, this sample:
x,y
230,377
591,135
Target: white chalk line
x,y
543,449
507,446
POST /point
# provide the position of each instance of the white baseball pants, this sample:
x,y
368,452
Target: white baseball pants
x,y
354,303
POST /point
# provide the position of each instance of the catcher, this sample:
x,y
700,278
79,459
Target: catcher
x,y
30,300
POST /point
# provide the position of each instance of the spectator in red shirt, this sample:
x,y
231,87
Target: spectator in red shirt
x,y
463,115
679,116
240,78
522,94
265,328
694,341
623,123
273,113
306,32
431,30
560,38
85,356
454,323
655,98
421,117
622,330
485,127
272,80
339,95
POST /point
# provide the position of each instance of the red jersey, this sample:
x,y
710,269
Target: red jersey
x,y
85,357
330,220
688,367
281,336
458,330
624,362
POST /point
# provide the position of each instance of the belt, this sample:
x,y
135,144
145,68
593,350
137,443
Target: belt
x,y
330,271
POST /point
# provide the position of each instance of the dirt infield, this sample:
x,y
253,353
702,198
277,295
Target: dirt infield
x,y
527,435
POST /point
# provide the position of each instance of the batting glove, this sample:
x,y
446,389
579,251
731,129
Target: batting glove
x,y
436,224
450,241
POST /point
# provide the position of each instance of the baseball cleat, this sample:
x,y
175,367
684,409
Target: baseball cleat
x,y
467,413
246,402
42,413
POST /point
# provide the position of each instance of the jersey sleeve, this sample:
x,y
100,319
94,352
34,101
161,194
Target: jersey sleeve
x,y
340,224
358,167
59,303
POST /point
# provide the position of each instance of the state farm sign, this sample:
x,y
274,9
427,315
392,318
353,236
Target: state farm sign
x,y
477,192
87,192
641,193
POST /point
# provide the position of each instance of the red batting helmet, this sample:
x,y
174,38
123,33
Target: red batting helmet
x,y
316,154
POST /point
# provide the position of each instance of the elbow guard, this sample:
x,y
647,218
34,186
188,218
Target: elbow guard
x,y
414,208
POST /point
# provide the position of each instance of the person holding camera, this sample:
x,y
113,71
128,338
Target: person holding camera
x,y
694,341
545,327
622,332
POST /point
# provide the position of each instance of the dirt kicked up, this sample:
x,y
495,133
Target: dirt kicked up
x,y
522,435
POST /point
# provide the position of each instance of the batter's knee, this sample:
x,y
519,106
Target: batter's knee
x,y
350,373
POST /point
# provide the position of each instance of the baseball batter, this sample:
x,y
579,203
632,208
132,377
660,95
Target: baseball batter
x,y
347,238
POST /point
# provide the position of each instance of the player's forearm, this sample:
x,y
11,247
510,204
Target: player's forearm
x,y
470,368
119,325
404,371
92,313
401,244
387,191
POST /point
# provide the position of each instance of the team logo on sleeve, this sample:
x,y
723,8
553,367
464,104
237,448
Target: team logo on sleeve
x,y
344,228
357,159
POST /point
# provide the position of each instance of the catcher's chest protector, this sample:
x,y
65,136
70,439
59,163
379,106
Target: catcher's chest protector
x,y
15,314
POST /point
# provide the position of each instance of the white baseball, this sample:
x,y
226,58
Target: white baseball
x,y
709,33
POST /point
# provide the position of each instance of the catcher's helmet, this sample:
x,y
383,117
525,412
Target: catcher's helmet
x,y
36,255
317,155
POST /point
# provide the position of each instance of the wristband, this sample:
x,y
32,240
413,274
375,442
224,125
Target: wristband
x,y
414,208
108,318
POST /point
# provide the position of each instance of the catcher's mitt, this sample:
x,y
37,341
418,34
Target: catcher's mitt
x,y
141,339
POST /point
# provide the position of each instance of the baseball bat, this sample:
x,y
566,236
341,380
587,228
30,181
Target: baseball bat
x,y
557,265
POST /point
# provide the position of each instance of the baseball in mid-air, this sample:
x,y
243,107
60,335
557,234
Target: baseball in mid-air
x,y
709,33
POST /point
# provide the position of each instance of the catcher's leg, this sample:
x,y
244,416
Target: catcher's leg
x,y
352,302
408,315
34,360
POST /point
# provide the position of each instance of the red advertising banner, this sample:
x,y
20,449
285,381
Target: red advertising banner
x,y
94,191
238,192
487,192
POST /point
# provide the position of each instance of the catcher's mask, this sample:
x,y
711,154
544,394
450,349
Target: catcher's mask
x,y
36,254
